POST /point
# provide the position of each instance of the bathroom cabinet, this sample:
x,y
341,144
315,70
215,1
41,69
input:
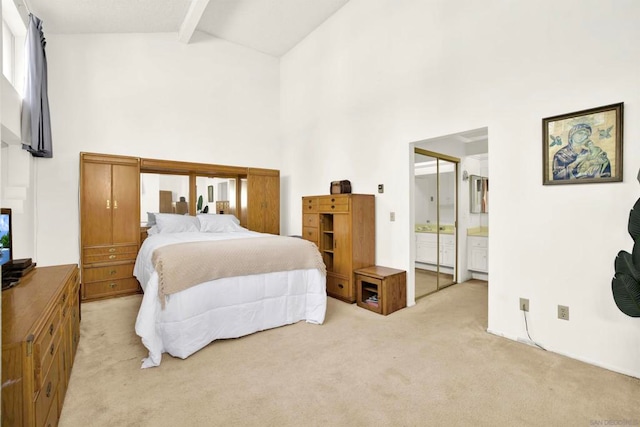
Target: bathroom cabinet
x,y
427,249
478,254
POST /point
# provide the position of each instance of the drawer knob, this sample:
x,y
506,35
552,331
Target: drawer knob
x,y
333,207
112,256
112,272
112,249
64,297
340,285
51,329
49,389
113,285
309,206
333,200
51,349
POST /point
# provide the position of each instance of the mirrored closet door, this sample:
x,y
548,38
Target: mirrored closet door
x,y
435,221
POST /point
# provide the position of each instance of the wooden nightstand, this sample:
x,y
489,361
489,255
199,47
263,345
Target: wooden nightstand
x,y
381,289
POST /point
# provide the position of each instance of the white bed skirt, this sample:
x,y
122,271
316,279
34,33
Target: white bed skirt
x,y
227,308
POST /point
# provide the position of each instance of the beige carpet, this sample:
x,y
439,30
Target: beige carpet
x,y
432,364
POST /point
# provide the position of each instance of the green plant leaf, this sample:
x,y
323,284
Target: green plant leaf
x,y
634,222
624,264
199,205
626,294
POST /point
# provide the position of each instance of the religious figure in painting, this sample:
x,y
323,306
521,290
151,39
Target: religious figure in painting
x,y
580,158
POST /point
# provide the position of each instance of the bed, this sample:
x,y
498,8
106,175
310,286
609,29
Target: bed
x,y
183,318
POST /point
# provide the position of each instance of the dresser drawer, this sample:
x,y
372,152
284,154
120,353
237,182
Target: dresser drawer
x,y
47,398
311,234
310,220
109,288
45,358
310,204
109,253
334,204
43,343
338,287
334,199
97,274
52,418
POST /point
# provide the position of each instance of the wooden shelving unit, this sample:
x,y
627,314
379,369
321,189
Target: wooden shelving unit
x,y
382,290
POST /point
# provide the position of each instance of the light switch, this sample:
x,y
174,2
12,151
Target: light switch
x,y
392,216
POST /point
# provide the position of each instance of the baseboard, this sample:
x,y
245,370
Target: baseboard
x,y
569,355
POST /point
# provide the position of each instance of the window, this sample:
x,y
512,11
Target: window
x,y
14,29
8,53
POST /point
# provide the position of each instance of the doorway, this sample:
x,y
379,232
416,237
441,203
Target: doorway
x,y
436,219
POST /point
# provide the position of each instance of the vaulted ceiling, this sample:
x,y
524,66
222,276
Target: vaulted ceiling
x,y
269,26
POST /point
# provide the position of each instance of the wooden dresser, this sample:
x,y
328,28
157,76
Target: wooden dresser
x,y
343,228
40,335
109,224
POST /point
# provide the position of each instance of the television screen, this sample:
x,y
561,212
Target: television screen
x,y
5,235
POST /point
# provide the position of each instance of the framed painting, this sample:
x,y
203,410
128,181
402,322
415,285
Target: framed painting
x,y
583,147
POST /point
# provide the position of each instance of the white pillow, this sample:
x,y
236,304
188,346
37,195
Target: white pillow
x,y
174,223
218,223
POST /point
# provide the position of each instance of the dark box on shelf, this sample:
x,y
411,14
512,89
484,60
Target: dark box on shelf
x,y
341,187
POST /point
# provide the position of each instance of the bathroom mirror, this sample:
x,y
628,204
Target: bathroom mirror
x,y
479,194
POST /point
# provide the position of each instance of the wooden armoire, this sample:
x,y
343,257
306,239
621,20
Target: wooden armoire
x,y
109,224
343,227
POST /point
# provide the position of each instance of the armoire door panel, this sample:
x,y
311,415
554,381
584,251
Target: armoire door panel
x,y
342,244
97,204
263,203
272,205
126,221
255,202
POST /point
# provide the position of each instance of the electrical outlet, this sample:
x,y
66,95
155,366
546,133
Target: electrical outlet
x,y
524,304
563,312
380,188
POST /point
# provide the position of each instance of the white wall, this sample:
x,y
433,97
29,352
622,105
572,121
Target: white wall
x,y
382,73
149,95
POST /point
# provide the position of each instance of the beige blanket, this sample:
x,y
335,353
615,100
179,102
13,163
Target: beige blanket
x,y
183,265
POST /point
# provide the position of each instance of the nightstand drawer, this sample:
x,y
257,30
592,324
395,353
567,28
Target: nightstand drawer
x,y
111,272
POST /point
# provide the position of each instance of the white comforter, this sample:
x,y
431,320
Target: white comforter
x,y
222,308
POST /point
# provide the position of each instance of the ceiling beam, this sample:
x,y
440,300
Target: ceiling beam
x,y
194,14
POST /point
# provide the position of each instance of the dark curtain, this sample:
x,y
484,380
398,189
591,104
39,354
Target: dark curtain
x,y
36,122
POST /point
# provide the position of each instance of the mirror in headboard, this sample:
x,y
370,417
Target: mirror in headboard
x,y
479,194
162,193
184,187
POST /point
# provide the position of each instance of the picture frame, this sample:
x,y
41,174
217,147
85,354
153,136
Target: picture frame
x,y
583,147
210,193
